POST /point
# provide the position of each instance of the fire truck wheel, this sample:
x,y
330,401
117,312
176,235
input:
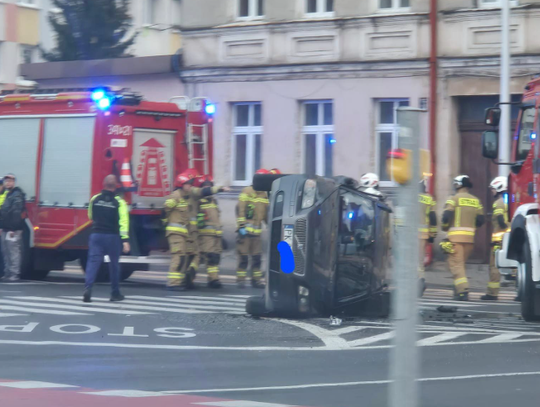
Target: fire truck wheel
x,y
530,294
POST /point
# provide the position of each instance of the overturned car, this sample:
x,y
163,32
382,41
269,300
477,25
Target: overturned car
x,y
340,241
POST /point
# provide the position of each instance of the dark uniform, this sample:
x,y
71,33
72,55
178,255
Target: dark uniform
x,y
110,216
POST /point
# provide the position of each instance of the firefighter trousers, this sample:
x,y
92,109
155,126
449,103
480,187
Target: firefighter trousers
x,y
179,260
456,262
210,252
494,283
421,259
249,246
192,250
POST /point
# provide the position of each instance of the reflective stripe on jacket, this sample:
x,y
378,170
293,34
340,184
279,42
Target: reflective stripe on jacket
x,y
466,208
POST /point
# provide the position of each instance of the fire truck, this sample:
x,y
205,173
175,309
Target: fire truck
x,y
60,144
520,248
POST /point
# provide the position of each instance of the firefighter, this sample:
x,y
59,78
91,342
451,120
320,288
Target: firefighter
x,y
428,228
463,214
252,211
192,245
275,171
369,183
180,208
210,232
499,221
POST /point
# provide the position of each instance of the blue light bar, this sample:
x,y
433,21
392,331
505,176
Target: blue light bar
x,y
98,94
104,103
332,141
533,136
210,109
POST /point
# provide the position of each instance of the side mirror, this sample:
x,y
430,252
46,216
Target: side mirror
x,y
490,144
493,116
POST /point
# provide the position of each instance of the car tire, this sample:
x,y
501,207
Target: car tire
x,y
256,306
529,293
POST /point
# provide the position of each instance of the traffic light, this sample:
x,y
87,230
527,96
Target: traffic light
x,y
398,165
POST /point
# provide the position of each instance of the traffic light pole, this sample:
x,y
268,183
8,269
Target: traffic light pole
x,y
404,362
504,126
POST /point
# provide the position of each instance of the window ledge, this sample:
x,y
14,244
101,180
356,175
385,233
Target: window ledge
x,y
29,6
250,18
394,11
320,15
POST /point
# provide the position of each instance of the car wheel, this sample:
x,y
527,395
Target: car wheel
x,y
256,306
528,292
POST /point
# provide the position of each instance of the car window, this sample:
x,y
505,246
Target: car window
x,y
526,128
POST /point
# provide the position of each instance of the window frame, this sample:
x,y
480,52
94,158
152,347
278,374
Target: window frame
x,y
320,131
517,156
386,128
496,4
150,14
250,131
252,11
321,9
396,7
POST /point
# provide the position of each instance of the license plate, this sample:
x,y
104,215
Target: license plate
x,y
288,232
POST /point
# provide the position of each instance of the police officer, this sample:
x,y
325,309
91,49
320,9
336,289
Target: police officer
x,y
463,214
181,207
210,232
252,212
110,235
499,221
428,227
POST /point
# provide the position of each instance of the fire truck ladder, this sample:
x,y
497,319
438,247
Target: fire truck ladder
x,y
194,140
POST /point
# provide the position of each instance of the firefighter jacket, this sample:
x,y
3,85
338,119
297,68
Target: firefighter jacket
x,y
181,209
208,218
499,221
252,210
3,197
13,211
463,213
110,214
428,218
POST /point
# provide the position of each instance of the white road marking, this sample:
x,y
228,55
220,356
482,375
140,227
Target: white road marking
x,y
125,393
235,296
326,336
180,300
198,297
33,385
440,338
346,384
177,308
507,337
7,314
240,403
87,308
39,310
372,339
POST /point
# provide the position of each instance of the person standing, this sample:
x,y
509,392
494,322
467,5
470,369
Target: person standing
x,y
181,207
110,236
428,228
12,215
210,232
463,214
500,224
252,212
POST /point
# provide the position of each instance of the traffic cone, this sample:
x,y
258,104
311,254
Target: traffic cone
x,y
125,175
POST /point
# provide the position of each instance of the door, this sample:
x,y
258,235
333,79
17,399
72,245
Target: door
x,y
153,153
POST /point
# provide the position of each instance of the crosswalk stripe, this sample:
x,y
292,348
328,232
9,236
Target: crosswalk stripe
x,y
190,300
39,311
73,307
179,308
213,298
33,385
235,296
372,339
440,338
7,314
501,338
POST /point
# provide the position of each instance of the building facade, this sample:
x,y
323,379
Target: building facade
x,y
313,85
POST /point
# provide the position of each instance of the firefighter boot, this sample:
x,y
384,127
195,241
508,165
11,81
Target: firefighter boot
x,y
257,283
241,273
422,288
464,296
215,284
488,297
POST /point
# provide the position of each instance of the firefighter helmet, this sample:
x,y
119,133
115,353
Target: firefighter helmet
x,y
462,181
499,184
275,171
262,171
202,179
184,177
369,180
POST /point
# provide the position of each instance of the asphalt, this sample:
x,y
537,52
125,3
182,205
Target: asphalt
x,y
188,347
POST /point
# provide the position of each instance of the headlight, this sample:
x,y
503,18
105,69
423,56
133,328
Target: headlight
x,y
303,291
310,189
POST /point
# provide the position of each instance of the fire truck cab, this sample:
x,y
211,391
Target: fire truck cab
x,y
61,144
521,244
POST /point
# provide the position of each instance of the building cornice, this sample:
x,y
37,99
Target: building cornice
x,y
522,65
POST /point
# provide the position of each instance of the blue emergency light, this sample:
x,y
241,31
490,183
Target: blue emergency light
x,y
102,99
332,141
533,136
351,215
210,109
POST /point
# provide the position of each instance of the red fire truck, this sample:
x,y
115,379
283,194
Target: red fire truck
x,y
61,145
521,244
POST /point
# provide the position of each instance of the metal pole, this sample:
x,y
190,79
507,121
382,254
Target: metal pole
x,y
504,128
404,362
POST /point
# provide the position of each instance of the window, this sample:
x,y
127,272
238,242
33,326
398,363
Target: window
x,y
319,7
250,9
31,2
526,129
150,12
387,133
496,3
318,137
247,143
393,5
27,54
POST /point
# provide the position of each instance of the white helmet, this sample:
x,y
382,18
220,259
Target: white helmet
x,y
499,184
462,181
369,180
